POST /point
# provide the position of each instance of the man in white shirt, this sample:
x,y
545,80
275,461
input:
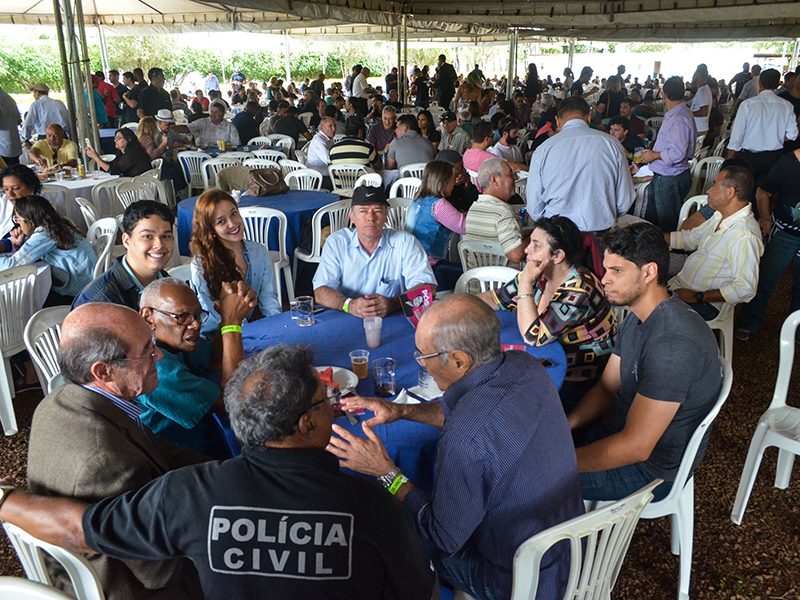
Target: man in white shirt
x,y
701,103
761,127
361,91
319,148
42,112
207,132
507,148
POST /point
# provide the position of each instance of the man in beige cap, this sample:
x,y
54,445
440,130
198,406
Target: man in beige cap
x,y
43,112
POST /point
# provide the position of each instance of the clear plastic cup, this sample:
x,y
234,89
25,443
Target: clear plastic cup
x,y
372,327
359,361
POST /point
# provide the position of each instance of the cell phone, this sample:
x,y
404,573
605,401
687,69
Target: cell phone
x,y
87,142
318,309
545,363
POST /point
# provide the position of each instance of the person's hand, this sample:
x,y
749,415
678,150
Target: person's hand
x,y
634,169
236,301
649,156
371,305
686,295
17,237
386,149
91,153
385,411
532,272
765,225
39,161
367,456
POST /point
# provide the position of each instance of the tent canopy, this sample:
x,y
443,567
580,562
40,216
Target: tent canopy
x,y
440,20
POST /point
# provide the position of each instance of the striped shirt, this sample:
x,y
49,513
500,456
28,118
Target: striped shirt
x,y
491,220
353,150
129,407
505,470
725,258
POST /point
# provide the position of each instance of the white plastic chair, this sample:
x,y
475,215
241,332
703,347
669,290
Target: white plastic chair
x,y
344,175
16,307
104,196
211,167
133,191
653,124
473,177
287,166
238,155
259,141
476,253
396,214
521,183
370,180
721,146
679,503
338,214
711,165
489,278
405,187
413,170
182,272
134,125
257,221
30,552
306,118
286,142
87,210
156,163
273,155
641,195
191,162
57,195
41,337
260,163
691,206
154,185
779,426
17,588
101,235
304,179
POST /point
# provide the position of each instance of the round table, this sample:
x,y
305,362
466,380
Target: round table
x,y
298,206
412,446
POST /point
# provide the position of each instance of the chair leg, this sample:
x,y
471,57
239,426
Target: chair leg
x,y
278,286
686,536
726,337
783,473
7,418
751,465
287,275
294,274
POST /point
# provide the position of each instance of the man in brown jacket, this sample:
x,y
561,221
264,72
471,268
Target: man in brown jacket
x,y
88,443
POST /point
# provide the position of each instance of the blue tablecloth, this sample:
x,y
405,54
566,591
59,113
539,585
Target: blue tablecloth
x,y
412,446
298,206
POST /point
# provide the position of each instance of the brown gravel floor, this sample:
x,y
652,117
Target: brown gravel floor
x,y
758,561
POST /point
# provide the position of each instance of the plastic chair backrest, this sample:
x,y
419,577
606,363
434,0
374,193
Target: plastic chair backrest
x,y
107,191
211,167
304,179
133,191
719,150
712,165
691,206
42,334
260,163
306,118
260,140
17,588
182,272
154,186
338,215
287,166
476,253
87,210
101,235
473,177
132,125
405,187
240,156
489,278
16,306
156,163
257,221
598,542
273,155
641,194
29,550
396,215
191,164
370,179
413,170
786,359
345,175
55,194
284,141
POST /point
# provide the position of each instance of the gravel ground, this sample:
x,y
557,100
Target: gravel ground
x,y
760,560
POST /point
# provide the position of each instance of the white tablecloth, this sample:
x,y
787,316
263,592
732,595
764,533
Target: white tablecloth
x,y
82,188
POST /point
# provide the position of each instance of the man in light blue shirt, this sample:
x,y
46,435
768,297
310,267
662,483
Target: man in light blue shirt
x,y
580,173
43,112
364,271
211,83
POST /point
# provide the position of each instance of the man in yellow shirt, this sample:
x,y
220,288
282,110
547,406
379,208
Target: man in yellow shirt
x,y
54,148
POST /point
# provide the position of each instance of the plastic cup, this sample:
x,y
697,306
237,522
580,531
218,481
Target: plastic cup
x,y
303,310
383,377
359,361
372,327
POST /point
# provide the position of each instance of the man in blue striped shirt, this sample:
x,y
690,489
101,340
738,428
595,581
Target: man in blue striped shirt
x,y
506,466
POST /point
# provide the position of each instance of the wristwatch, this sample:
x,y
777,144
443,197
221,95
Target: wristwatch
x,y
384,480
5,492
699,296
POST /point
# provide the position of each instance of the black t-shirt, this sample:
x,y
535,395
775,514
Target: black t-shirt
x,y
134,162
152,100
130,113
782,180
463,197
272,523
290,126
795,102
433,135
632,142
612,101
391,82
423,96
576,89
318,87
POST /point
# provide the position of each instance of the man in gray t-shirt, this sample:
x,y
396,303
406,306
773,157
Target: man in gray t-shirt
x,y
409,147
662,379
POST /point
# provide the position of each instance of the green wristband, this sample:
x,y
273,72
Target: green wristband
x,y
346,305
398,481
230,328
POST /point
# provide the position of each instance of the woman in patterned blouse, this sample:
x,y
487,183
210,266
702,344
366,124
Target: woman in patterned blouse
x,y
558,299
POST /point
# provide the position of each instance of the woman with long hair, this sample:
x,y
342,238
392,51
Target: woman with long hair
x,y
220,255
468,91
53,239
18,181
608,104
427,128
433,221
558,299
147,133
533,86
132,159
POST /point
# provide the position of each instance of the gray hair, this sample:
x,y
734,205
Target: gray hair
x,y
219,105
87,347
489,167
390,109
153,290
476,333
269,392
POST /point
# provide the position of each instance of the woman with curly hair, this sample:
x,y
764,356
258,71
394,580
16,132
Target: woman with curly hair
x,y
18,181
51,238
220,254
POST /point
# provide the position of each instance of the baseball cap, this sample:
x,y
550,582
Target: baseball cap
x,y
40,87
448,116
165,115
365,194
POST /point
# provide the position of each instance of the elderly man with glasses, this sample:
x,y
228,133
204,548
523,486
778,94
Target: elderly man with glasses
x,y
176,408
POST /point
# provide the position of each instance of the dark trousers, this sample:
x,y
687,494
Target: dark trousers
x,y
11,160
760,163
665,198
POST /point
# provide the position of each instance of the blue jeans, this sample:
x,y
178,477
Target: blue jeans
x,y
462,570
665,198
781,249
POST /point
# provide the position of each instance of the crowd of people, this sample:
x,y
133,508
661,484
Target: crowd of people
x,y
122,450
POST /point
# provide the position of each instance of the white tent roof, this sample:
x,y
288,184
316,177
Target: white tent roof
x,y
443,20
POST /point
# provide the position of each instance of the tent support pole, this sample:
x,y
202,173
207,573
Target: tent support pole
x,y
84,127
399,61
793,64
103,46
404,70
288,59
62,49
511,60
87,73
571,53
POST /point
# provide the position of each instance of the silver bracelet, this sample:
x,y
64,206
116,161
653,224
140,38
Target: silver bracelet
x,y
386,480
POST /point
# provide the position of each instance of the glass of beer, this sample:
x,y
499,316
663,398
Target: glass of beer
x,y
359,361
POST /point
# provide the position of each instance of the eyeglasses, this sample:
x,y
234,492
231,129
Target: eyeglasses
x,y
313,405
150,356
186,318
419,357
